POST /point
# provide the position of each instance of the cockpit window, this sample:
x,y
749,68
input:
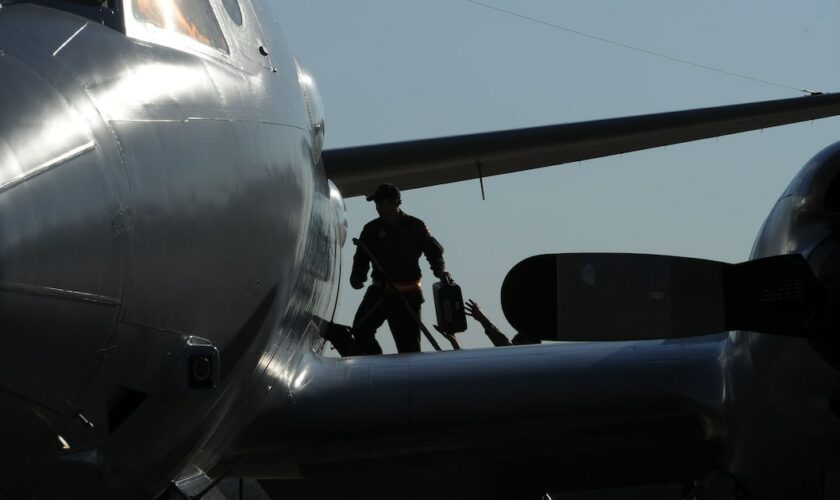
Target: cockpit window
x,y
191,18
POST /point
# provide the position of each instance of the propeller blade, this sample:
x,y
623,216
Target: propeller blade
x,y
599,296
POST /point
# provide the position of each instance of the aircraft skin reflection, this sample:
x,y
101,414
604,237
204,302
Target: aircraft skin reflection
x,y
195,165
164,205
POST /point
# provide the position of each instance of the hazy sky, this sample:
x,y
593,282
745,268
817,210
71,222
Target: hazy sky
x,y
396,70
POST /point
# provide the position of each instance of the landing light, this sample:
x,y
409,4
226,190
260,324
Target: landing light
x,y
201,370
194,369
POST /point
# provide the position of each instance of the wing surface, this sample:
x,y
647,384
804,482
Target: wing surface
x,y
561,416
428,162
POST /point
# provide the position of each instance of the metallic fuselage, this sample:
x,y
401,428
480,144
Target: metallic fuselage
x,y
148,194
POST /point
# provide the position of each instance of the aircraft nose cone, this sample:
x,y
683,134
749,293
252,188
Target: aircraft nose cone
x,y
63,234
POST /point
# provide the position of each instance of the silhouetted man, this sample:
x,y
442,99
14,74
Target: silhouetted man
x,y
396,240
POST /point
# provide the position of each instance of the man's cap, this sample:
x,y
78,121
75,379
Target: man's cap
x,y
385,192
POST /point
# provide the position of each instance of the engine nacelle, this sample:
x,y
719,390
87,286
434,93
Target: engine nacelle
x,y
805,220
782,392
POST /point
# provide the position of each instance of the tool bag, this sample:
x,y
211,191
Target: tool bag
x,y
449,306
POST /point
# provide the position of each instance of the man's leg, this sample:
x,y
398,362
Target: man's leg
x,y
369,317
404,327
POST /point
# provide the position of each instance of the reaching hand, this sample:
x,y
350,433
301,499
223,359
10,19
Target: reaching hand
x,y
449,336
445,277
356,283
472,309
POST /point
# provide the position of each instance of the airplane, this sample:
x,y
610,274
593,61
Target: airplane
x,y
170,227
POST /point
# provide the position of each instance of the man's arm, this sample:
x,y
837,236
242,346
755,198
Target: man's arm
x,y
433,251
493,333
361,262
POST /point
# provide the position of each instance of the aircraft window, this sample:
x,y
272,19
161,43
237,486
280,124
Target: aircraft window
x,y
192,18
233,10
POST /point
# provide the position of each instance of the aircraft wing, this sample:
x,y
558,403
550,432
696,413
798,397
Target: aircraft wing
x,y
562,416
428,162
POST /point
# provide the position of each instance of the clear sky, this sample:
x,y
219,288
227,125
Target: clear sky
x,y
393,70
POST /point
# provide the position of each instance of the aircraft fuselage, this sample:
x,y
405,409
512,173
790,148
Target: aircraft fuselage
x,y
148,194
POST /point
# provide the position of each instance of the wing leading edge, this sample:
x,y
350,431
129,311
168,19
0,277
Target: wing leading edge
x,y
567,416
428,162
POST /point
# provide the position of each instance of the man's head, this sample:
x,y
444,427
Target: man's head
x,y
387,199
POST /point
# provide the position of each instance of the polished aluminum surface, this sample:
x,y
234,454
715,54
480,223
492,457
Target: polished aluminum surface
x,y
147,194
